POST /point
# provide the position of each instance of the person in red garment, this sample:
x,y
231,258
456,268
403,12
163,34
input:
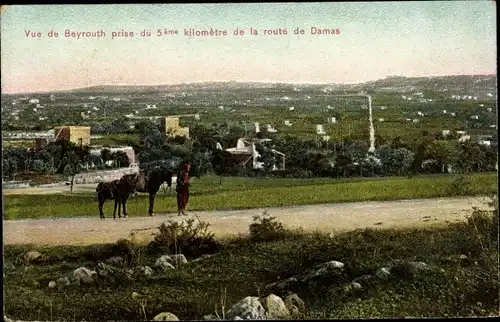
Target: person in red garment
x,y
182,188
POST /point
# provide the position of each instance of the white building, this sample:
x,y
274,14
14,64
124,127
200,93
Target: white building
x,y
464,138
332,120
271,129
484,142
319,129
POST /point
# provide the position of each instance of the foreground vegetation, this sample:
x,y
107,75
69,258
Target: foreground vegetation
x,y
240,193
462,279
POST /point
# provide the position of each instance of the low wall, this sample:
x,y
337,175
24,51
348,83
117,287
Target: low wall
x,y
103,176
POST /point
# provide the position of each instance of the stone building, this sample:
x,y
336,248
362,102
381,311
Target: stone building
x,y
170,125
79,135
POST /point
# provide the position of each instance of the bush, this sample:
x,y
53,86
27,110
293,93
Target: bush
x,y
185,238
266,228
481,229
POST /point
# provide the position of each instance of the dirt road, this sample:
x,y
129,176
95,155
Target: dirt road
x,y
326,218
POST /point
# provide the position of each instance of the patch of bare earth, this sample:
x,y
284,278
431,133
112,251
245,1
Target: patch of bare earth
x,y
325,218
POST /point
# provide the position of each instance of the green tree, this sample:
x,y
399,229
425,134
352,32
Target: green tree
x,y
72,167
444,152
267,157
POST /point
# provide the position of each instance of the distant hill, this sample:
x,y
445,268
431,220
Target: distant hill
x,y
454,83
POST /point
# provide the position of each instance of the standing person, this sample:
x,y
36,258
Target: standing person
x,y
182,188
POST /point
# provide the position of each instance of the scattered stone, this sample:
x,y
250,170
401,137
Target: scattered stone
x,y
351,287
462,257
178,260
248,308
382,273
203,257
166,316
210,317
144,270
325,269
275,307
408,269
52,284
282,286
32,256
164,262
115,260
237,318
84,275
293,300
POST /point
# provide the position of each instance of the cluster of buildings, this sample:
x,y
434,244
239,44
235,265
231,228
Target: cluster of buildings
x,y
81,136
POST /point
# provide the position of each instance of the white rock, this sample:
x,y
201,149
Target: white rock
x,y
84,275
382,273
294,301
166,316
334,264
248,308
178,259
275,307
326,268
52,284
164,262
145,270
32,256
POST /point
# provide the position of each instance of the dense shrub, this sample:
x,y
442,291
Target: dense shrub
x,y
185,238
266,228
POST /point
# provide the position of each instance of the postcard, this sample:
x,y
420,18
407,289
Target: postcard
x,y
251,161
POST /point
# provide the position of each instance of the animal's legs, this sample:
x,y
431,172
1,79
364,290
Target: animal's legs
x,y
114,211
124,202
151,204
101,200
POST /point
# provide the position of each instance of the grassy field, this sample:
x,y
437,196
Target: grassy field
x,y
241,193
453,286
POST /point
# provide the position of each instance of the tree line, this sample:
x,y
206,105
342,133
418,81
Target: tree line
x,y
424,154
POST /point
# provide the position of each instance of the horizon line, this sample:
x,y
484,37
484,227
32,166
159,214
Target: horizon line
x,y
239,81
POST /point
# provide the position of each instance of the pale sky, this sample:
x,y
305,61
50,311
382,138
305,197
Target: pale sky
x,y
376,40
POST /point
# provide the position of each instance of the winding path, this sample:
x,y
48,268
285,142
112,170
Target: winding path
x,y
325,217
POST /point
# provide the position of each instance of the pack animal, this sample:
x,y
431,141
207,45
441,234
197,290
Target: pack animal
x,y
149,183
117,190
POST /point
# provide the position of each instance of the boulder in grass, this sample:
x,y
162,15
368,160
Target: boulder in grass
x,y
166,316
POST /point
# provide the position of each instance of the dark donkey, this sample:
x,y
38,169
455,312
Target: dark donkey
x,y
150,183
117,190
